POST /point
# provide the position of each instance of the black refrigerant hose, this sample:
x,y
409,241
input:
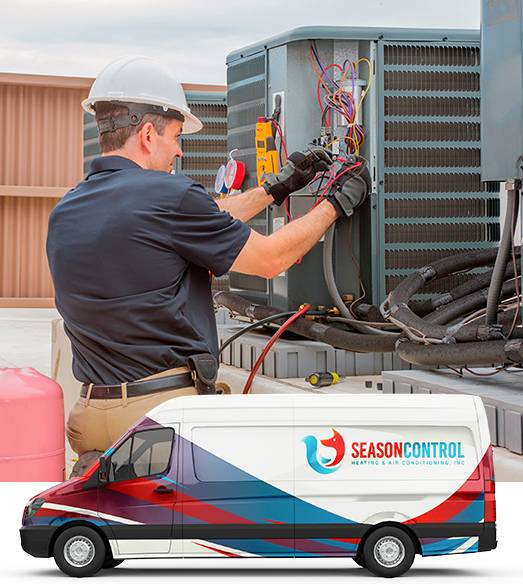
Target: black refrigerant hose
x,y
357,342
505,246
426,307
254,325
462,355
328,274
468,303
396,307
456,345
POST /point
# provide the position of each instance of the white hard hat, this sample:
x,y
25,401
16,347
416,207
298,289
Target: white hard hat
x,y
142,80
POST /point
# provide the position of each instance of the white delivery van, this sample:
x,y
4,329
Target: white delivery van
x,y
378,478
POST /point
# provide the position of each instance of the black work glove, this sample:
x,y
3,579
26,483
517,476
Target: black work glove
x,y
298,171
351,189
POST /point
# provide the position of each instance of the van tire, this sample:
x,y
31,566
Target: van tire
x,y
388,552
79,551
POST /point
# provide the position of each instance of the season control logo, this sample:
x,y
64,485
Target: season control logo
x,y
322,464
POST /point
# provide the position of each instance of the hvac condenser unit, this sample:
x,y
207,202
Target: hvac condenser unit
x,y
421,120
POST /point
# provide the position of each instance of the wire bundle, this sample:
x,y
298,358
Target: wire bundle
x,y
338,95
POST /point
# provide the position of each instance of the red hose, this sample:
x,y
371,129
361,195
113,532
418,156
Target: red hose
x,y
305,308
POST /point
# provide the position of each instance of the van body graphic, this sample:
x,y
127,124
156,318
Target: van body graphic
x,y
192,480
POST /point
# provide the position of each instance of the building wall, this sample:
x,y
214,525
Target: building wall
x,y
41,156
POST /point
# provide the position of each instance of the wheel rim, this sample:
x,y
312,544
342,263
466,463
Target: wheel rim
x,y
389,552
79,551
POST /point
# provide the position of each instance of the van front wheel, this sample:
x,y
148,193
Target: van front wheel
x,y
388,552
79,551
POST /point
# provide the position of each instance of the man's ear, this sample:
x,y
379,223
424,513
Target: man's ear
x,y
146,136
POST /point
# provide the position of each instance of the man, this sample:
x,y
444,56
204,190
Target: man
x,y
132,246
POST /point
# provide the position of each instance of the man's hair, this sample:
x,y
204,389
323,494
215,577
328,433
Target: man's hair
x,y
110,141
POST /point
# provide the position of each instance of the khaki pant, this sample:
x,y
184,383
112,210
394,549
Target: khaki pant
x,y
95,424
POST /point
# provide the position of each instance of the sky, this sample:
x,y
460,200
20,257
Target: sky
x,y
79,37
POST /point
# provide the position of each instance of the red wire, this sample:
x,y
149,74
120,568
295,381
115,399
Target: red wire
x,y
284,146
329,184
287,210
305,308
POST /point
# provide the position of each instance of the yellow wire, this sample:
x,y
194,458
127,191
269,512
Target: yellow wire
x,y
369,84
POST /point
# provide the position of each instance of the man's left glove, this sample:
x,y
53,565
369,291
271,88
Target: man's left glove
x,y
351,189
300,168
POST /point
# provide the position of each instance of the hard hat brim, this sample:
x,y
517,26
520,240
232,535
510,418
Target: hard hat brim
x,y
191,125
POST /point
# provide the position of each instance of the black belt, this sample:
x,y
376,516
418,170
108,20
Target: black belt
x,y
138,388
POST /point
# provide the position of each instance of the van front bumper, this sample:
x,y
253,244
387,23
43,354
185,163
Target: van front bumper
x,y
35,540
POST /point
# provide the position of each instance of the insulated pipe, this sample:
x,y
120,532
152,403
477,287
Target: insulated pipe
x,y
397,310
468,304
330,280
502,258
312,330
462,355
425,307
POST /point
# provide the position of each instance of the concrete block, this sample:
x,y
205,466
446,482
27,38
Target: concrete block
x,y
513,431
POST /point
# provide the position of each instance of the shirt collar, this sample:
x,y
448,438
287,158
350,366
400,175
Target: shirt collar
x,y
103,163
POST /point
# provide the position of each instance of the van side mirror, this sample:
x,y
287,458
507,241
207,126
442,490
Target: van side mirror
x,y
103,470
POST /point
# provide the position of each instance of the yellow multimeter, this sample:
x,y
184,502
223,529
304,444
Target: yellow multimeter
x,y
266,153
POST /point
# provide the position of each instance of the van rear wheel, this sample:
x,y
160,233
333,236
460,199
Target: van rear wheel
x,y
388,552
79,551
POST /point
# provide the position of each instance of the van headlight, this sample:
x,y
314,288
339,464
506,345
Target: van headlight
x,y
33,506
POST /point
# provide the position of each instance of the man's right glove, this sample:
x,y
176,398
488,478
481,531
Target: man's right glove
x,y
298,171
351,189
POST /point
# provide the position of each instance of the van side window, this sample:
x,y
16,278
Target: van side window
x,y
144,453
119,462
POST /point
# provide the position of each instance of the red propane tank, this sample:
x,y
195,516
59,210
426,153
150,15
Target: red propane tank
x,y
31,427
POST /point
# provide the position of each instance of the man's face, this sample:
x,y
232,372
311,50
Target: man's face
x,y
166,149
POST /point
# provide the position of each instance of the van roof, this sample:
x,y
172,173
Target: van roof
x,y
173,408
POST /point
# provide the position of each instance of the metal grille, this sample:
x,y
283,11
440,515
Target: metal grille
x,y
433,157
245,104
206,151
409,208
432,200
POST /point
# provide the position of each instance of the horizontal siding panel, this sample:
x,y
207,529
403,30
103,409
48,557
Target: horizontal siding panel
x,y
42,135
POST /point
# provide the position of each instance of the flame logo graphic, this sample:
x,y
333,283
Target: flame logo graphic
x,y
322,464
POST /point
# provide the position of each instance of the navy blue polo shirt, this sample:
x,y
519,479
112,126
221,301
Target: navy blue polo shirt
x,y
130,251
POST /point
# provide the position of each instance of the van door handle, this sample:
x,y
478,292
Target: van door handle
x,y
162,489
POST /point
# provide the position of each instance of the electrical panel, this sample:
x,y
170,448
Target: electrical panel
x,y
502,89
421,122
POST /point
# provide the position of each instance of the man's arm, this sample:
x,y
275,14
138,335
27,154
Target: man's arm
x,y
246,205
296,173
268,256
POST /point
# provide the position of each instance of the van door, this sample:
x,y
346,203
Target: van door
x,y
238,480
321,489
138,499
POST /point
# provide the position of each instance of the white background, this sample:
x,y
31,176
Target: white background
x,y
502,565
